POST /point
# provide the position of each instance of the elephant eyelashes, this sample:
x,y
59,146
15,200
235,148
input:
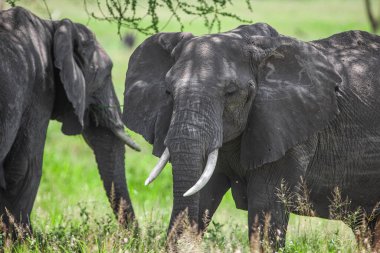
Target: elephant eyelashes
x,y
252,83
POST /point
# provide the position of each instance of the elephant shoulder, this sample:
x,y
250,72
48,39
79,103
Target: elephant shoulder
x,y
354,54
18,18
360,41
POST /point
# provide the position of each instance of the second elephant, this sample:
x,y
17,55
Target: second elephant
x,y
55,70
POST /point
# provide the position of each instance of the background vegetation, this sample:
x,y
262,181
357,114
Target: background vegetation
x,y
71,212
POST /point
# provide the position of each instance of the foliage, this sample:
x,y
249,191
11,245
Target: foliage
x,y
12,2
339,209
130,13
127,13
85,232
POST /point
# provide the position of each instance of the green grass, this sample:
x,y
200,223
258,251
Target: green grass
x,y
71,187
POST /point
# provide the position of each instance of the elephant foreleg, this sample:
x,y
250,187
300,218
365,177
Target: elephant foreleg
x,y
370,238
376,236
267,217
23,167
8,134
210,197
267,220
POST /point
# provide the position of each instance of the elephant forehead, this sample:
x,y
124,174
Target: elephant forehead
x,y
200,49
212,46
205,60
194,71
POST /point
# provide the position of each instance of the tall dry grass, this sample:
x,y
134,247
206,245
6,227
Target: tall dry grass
x,y
106,234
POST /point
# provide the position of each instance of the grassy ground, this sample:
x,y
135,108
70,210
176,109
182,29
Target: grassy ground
x,y
71,212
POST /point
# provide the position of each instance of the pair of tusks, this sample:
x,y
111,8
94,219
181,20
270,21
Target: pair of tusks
x,y
202,181
126,139
205,177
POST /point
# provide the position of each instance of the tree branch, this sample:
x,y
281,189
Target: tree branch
x,y
145,15
374,23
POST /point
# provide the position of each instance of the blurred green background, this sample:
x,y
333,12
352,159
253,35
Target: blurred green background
x,y
70,173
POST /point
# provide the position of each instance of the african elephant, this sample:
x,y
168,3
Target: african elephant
x,y
249,108
55,70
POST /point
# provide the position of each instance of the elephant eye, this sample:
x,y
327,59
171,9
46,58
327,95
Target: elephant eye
x,y
168,92
231,89
230,93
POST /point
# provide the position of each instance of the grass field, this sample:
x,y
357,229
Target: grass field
x,y
71,212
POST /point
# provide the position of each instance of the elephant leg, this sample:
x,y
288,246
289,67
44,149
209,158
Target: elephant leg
x,y
376,236
8,132
210,197
373,232
267,217
23,168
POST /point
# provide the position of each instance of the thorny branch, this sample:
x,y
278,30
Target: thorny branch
x,y
144,16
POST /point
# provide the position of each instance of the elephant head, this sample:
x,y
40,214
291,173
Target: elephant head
x,y
188,95
86,104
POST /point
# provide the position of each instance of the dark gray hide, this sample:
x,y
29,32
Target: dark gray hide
x,y
54,70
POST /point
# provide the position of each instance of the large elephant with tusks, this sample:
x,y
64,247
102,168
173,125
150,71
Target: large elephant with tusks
x,y
249,109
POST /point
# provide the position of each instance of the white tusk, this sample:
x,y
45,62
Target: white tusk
x,y
159,167
206,175
126,139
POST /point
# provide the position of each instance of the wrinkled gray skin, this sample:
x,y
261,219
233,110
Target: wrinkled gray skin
x,y
277,109
54,70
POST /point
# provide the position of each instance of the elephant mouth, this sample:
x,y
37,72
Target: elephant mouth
x,y
202,181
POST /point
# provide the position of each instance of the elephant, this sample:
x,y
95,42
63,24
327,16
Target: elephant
x,y
249,109
55,70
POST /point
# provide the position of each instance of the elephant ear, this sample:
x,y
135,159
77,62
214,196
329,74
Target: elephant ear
x,y
296,98
70,91
147,106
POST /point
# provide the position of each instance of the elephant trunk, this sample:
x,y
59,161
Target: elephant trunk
x,y
195,132
187,162
109,153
